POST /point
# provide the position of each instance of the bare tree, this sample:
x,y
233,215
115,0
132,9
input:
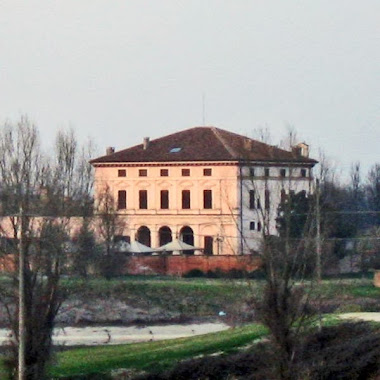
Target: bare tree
x,y
73,175
284,306
262,134
109,225
85,251
31,183
373,191
287,235
290,139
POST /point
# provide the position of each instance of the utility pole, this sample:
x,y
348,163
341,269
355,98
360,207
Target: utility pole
x,y
318,234
21,311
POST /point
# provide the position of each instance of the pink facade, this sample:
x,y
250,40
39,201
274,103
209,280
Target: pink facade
x,y
209,217
195,185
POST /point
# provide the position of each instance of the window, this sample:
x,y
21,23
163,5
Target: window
x,y
252,172
282,173
121,173
207,199
164,172
121,200
208,240
283,196
164,199
266,172
258,203
251,199
143,172
259,226
143,199
252,226
207,172
175,150
185,199
143,236
267,200
303,173
185,172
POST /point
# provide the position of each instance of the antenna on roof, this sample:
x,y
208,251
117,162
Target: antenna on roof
x,y
203,109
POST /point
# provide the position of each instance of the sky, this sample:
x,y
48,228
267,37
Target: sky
x,y
120,70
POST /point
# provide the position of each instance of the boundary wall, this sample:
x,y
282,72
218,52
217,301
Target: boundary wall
x,y
180,265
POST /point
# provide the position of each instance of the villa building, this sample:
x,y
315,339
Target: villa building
x,y
205,186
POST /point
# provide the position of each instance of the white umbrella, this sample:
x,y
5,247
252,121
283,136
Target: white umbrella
x,y
122,246
176,245
137,247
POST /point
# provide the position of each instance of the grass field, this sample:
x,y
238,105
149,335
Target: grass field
x,y
190,297
197,297
157,355
205,297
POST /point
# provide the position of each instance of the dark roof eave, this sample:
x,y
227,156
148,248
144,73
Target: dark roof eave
x,y
241,161
306,161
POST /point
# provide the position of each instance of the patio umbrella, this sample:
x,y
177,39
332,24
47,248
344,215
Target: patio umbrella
x,y
137,247
122,246
176,245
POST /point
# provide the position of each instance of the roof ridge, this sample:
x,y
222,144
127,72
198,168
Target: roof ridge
x,y
224,143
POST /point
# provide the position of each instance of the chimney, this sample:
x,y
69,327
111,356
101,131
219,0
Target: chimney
x,y
303,149
247,144
110,150
146,143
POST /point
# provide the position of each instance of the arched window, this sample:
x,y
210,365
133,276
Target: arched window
x,y
187,236
165,235
143,236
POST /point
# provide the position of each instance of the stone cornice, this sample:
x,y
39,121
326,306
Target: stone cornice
x,y
164,164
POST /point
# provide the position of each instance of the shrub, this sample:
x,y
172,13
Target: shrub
x,y
236,273
194,273
347,351
216,273
258,274
236,366
349,308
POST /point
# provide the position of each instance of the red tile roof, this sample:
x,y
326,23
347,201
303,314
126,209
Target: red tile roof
x,y
203,144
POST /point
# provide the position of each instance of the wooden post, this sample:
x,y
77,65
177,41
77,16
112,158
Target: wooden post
x,y
318,234
21,312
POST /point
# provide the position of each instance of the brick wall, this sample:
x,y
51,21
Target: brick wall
x,y
172,265
179,265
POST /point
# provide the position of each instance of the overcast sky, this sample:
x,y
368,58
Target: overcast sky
x,y
121,70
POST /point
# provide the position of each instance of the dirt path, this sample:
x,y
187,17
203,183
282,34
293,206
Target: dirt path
x,y
361,316
72,336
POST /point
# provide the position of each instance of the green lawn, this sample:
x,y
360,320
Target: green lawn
x,y
158,355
